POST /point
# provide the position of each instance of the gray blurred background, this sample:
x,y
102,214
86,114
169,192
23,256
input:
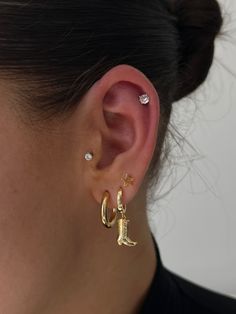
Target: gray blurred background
x,y
195,223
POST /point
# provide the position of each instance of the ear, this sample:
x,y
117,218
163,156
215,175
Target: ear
x,y
121,132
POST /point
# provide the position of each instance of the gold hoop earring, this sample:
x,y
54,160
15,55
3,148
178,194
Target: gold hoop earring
x,y
104,211
122,222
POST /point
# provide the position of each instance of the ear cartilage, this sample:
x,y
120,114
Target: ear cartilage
x,y
144,99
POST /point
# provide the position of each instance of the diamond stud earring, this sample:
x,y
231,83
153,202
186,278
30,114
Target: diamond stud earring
x,y
144,99
88,156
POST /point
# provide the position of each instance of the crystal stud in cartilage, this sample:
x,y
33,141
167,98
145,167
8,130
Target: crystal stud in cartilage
x,y
144,99
88,156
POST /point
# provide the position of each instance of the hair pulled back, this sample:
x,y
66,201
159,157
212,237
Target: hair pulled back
x,y
54,51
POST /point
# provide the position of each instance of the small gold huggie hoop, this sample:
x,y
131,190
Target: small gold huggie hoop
x,y
123,238
120,207
104,211
122,223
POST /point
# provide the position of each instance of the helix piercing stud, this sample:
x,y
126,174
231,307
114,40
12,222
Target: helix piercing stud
x,y
144,99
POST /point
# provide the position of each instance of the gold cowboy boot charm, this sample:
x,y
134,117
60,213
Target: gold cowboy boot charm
x,y
123,223
123,232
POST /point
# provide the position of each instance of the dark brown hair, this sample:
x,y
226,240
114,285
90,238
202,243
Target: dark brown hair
x,y
52,52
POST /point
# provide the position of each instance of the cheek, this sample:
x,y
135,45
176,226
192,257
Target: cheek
x,y
23,192
36,234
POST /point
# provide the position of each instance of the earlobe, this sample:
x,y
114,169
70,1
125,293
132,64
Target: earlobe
x,y
127,123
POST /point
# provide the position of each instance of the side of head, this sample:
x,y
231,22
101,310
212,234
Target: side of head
x,y
70,76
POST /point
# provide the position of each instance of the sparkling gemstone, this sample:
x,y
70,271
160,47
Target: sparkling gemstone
x,y
144,99
88,156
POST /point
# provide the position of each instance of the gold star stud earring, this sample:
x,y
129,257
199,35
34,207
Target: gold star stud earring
x,y
127,180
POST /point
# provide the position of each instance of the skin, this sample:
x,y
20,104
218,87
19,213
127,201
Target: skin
x,y
56,256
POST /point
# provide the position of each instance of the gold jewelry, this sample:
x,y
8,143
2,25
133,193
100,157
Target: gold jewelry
x,y
127,180
104,211
122,222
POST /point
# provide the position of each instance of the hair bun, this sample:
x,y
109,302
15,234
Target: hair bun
x,y
198,24
202,17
